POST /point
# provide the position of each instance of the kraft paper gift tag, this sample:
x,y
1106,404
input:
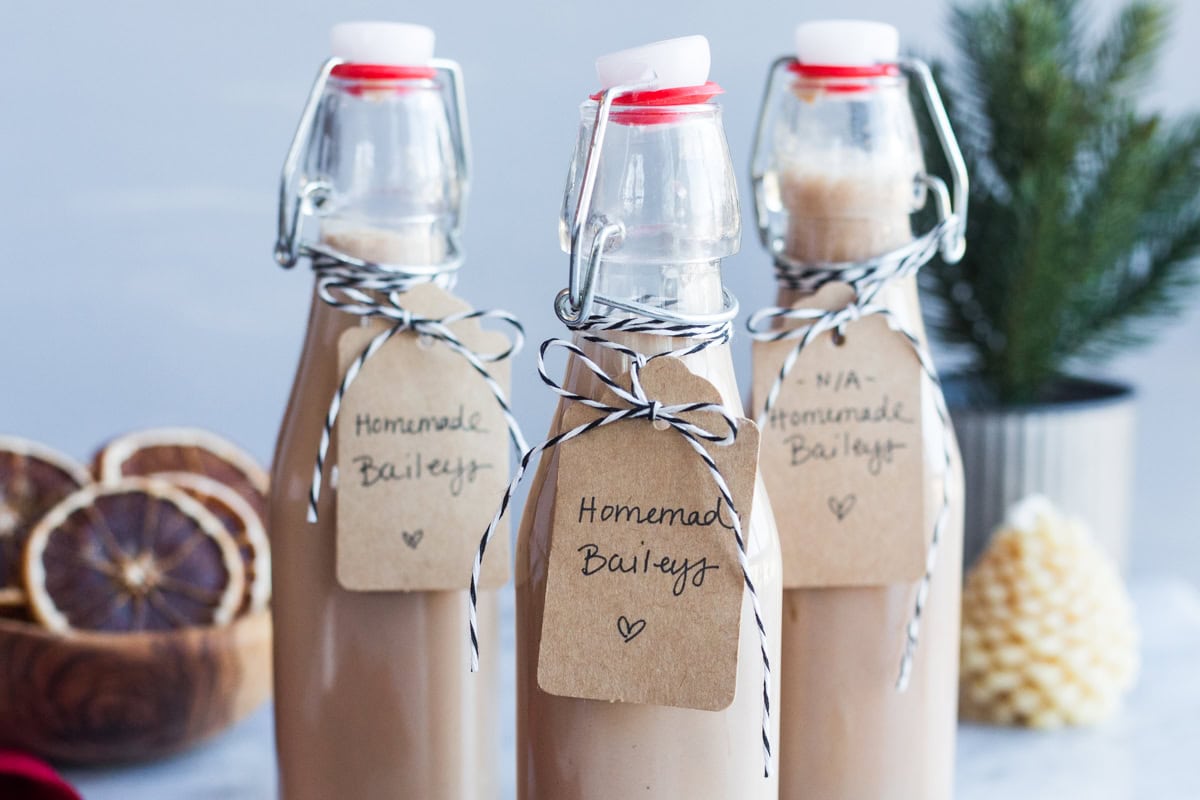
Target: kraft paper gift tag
x,y
843,453
422,453
644,591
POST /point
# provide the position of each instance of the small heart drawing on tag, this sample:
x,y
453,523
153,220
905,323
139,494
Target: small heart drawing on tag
x,y
841,508
413,539
629,630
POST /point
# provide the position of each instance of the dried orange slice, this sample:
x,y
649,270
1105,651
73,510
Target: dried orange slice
x,y
33,479
243,524
136,555
161,451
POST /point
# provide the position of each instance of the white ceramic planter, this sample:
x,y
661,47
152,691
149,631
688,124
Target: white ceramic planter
x,y
1078,452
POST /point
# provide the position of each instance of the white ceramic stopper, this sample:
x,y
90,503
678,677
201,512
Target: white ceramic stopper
x,y
390,43
670,64
847,43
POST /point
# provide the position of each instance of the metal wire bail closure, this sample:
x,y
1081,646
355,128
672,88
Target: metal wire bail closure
x,y
299,195
574,304
951,206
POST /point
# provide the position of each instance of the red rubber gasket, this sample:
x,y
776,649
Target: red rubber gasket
x,y
844,71
845,79
382,72
655,106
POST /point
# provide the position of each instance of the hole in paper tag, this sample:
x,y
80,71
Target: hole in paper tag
x,y
422,450
843,452
644,591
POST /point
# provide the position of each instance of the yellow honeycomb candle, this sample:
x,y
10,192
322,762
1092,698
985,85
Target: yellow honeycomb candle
x,y
1048,632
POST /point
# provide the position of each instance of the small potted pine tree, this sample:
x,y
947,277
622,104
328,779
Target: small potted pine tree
x,y
1084,231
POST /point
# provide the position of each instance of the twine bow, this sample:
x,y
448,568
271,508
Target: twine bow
x,y
634,403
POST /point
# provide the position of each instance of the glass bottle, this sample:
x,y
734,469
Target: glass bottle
x,y
373,698
665,176
839,173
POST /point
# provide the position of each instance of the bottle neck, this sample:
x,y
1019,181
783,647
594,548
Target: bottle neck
x,y
667,180
846,177
684,288
840,166
687,288
841,215
385,154
848,219
398,243
385,185
816,235
669,184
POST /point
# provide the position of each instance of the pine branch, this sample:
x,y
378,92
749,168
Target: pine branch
x,y
1147,298
1146,280
1085,213
1117,185
1126,56
1176,173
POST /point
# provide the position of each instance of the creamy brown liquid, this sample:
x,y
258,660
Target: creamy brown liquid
x,y
571,749
847,733
373,697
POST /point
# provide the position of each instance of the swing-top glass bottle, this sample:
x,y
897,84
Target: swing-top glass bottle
x,y
662,213
372,694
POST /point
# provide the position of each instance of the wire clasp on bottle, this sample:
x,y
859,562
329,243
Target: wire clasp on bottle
x,y
300,195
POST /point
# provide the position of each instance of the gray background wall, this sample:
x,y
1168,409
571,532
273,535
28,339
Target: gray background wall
x,y
140,148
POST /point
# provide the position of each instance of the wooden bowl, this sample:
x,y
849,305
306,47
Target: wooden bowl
x,y
99,698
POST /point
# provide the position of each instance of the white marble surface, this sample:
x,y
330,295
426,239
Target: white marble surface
x,y
1149,752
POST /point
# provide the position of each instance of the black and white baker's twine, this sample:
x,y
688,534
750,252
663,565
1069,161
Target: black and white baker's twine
x,y
633,403
867,279
366,292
